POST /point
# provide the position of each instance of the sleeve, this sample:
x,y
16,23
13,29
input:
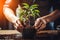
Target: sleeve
x,y
56,4
11,4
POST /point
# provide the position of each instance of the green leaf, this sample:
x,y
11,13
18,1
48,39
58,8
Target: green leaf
x,y
33,6
25,5
37,11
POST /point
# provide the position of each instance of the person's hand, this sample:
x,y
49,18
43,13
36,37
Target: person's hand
x,y
18,25
40,24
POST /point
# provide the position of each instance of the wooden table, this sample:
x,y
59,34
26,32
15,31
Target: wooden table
x,y
50,32
9,34
13,34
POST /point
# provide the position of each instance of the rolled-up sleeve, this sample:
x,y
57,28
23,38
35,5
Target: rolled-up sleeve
x,y
11,4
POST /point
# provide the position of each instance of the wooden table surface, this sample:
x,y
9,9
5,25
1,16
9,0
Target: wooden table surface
x,y
9,32
49,32
13,32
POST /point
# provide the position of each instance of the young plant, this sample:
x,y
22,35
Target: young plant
x,y
27,11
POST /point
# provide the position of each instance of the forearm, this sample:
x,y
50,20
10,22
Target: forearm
x,y
52,16
9,14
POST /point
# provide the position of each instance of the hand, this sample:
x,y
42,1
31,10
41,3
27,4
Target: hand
x,y
18,25
40,24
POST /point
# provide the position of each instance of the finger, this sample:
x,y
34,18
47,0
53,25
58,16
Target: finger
x,y
43,24
37,22
39,25
19,23
42,27
16,25
19,29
